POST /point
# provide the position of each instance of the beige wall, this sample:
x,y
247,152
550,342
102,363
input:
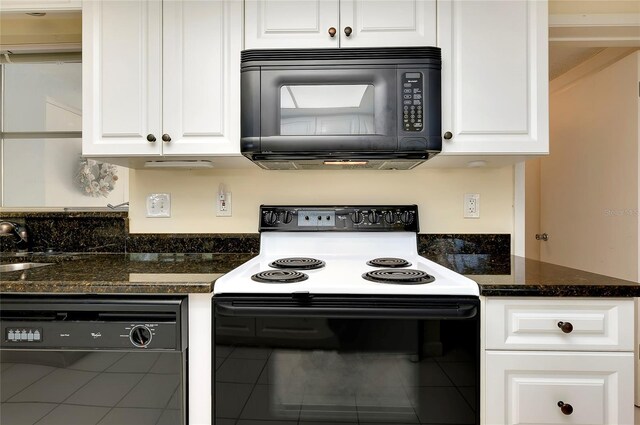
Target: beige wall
x,y
590,182
439,193
532,209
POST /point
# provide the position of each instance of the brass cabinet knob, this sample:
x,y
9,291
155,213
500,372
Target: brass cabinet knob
x,y
448,135
332,32
166,137
348,31
151,138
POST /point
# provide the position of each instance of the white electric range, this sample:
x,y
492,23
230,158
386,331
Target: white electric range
x,y
342,250
338,320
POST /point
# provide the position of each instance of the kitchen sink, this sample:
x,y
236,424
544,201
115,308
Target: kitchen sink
x,y
21,266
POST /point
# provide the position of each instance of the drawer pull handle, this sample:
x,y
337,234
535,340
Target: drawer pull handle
x,y
566,327
565,408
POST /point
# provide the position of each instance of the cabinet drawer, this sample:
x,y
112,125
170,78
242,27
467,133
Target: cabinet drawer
x,y
534,324
526,388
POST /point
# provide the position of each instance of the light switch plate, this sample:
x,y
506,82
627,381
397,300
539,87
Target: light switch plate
x,y
159,205
223,206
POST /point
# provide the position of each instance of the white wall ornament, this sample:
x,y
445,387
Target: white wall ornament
x,y
95,178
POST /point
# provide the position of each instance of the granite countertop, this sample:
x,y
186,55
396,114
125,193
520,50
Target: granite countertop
x,y
196,273
534,278
119,273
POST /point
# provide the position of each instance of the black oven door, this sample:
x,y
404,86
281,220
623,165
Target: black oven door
x,y
332,360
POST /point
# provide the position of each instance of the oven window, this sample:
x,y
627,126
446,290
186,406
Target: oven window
x,y
90,387
345,371
313,110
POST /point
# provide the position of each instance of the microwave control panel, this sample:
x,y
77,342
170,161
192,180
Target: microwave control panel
x,y
412,101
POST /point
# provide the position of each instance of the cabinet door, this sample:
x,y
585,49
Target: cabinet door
x,y
533,324
121,80
494,76
526,388
388,23
273,24
201,77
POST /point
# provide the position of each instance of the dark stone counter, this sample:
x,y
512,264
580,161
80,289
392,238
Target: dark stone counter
x,y
119,273
167,273
531,278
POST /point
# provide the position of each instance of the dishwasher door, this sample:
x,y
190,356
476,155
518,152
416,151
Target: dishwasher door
x,y
82,362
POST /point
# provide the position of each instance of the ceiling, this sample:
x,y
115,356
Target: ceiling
x,y
56,31
579,30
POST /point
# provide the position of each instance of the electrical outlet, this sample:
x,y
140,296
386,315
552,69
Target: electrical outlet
x,y
159,205
223,205
471,205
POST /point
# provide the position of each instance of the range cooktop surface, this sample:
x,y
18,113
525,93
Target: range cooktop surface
x,y
342,250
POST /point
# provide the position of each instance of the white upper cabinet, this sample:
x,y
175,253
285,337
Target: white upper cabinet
x,y
494,76
272,24
161,78
121,78
394,23
201,48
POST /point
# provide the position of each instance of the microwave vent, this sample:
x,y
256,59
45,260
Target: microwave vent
x,y
346,54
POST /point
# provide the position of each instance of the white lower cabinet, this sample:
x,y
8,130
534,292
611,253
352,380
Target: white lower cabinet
x,y
537,372
532,387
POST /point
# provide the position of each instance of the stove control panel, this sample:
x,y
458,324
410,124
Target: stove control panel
x,y
361,218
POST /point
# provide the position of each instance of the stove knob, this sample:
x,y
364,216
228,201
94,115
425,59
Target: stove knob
x,y
287,217
270,217
357,217
406,217
374,217
390,217
140,336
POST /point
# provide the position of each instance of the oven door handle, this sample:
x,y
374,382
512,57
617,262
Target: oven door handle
x,y
237,309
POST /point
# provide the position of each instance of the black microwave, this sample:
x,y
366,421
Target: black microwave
x,y
370,108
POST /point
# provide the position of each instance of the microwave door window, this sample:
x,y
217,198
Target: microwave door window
x,y
325,110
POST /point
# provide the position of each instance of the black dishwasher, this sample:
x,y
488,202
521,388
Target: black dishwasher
x,y
93,360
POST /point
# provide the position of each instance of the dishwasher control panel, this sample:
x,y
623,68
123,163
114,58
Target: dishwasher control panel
x,y
81,323
135,335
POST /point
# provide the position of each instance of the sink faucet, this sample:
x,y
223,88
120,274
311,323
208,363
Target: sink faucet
x,y
113,207
15,229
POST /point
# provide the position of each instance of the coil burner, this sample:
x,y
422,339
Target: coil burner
x,y
279,276
389,262
299,263
399,276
